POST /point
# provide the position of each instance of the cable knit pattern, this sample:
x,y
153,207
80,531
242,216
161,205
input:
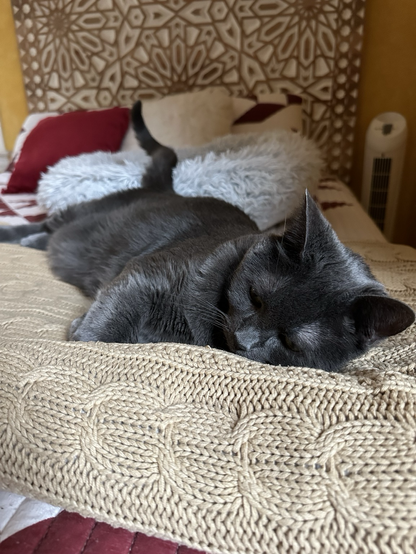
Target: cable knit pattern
x,y
204,447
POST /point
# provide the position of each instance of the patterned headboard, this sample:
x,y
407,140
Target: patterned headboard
x,y
98,53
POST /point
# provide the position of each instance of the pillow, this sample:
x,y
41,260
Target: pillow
x,y
29,124
263,174
196,118
188,119
267,112
68,134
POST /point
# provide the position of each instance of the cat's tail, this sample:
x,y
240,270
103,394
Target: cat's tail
x,y
158,176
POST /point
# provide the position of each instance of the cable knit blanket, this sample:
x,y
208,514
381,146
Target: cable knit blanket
x,y
204,447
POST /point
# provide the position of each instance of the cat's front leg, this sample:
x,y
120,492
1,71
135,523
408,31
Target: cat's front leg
x,y
141,305
103,324
115,315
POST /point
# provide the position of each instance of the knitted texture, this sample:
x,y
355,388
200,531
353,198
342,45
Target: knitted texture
x,y
204,447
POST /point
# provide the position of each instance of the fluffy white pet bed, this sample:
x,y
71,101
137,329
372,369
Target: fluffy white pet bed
x,y
264,174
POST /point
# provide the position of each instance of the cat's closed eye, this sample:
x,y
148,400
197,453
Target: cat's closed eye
x,y
256,299
288,343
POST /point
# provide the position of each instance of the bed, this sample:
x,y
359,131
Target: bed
x,y
21,204
175,449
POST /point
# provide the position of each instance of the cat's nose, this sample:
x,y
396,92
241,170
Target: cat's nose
x,y
246,339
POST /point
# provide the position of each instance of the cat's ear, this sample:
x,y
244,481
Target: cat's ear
x,y
308,227
379,317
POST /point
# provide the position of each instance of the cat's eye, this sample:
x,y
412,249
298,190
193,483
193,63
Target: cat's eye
x,y
256,300
288,343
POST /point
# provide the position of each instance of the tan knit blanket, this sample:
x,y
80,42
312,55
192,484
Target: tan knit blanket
x,y
202,447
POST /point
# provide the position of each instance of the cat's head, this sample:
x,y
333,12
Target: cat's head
x,y
304,299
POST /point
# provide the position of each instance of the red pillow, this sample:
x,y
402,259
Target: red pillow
x,y
68,134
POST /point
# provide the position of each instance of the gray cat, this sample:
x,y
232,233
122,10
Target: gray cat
x,y
164,268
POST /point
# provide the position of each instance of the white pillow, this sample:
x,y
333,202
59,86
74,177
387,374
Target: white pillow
x,y
196,118
188,119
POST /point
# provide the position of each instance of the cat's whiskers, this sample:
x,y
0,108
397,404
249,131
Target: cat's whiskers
x,y
213,319
284,233
207,312
218,316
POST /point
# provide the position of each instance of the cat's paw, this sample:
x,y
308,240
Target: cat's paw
x,y
83,329
39,241
74,332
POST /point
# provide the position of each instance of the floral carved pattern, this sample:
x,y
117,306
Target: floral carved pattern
x,y
82,54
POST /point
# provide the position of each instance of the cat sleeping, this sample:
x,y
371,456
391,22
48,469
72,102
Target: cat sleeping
x,y
165,268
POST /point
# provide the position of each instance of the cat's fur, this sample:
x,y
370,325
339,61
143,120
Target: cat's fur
x,y
162,267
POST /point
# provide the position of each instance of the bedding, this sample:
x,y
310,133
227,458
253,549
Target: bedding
x,y
28,526
18,209
351,489
267,112
201,447
336,200
41,525
261,113
28,125
263,174
189,118
66,135
256,114
170,119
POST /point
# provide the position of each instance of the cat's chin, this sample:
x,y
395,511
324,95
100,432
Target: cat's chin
x,y
253,355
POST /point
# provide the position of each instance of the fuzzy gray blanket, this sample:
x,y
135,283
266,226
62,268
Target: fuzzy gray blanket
x,y
263,174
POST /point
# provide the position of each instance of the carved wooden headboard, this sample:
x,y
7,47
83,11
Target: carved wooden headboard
x,y
96,53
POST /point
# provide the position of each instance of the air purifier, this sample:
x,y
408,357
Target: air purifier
x,y
385,148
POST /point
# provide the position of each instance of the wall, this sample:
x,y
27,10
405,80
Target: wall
x,y
388,83
13,108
